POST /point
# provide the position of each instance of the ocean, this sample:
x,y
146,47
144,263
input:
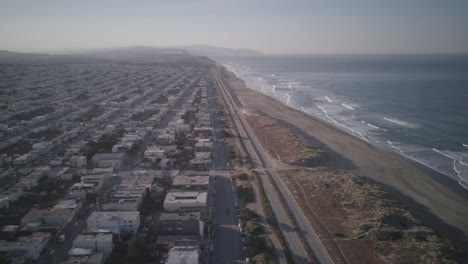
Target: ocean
x,y
414,105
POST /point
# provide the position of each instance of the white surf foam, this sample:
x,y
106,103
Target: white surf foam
x,y
376,127
273,89
457,164
396,121
456,168
395,147
443,154
288,97
347,106
341,125
463,182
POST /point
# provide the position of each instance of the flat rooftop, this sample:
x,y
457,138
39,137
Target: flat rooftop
x,y
97,237
185,197
179,216
187,181
127,215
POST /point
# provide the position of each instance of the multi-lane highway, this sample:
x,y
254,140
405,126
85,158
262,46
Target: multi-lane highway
x,y
270,181
227,245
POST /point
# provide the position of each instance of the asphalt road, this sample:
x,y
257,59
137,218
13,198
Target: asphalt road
x,y
59,250
266,172
227,240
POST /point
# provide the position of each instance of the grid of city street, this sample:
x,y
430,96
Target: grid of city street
x,y
115,162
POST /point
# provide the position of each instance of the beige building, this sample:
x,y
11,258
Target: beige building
x,y
186,252
99,243
115,222
185,201
183,182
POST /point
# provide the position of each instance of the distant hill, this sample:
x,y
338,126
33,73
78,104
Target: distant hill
x,y
31,58
133,54
144,54
133,51
211,51
10,56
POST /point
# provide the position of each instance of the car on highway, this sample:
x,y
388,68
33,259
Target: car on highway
x,y
60,238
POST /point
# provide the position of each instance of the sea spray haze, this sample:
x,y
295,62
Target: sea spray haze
x,y
415,105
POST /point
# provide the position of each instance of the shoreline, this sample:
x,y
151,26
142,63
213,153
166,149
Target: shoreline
x,y
440,201
463,183
433,173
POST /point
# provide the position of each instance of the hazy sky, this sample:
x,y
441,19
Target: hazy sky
x,y
273,26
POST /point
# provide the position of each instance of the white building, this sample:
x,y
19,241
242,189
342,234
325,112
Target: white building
x,y
68,204
47,219
98,258
96,180
31,180
77,161
33,243
99,243
125,198
115,222
4,202
43,147
86,259
155,152
11,195
185,252
185,201
23,159
80,190
108,160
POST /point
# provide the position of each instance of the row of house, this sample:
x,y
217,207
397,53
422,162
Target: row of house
x,y
83,117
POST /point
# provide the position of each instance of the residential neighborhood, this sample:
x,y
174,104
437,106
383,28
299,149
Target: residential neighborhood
x,y
102,163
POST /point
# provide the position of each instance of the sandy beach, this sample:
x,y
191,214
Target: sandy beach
x,y
437,200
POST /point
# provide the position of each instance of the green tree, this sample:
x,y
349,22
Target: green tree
x,y
138,249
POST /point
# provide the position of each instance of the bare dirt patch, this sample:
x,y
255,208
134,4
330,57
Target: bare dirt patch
x,y
283,144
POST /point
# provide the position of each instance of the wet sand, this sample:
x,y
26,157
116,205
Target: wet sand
x,y
438,201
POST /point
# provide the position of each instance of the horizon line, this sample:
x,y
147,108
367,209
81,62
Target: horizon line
x,y
84,50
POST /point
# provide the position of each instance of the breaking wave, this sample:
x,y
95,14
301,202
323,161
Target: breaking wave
x,y
382,130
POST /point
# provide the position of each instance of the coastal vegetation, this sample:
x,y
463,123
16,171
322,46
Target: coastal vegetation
x,y
367,224
273,135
